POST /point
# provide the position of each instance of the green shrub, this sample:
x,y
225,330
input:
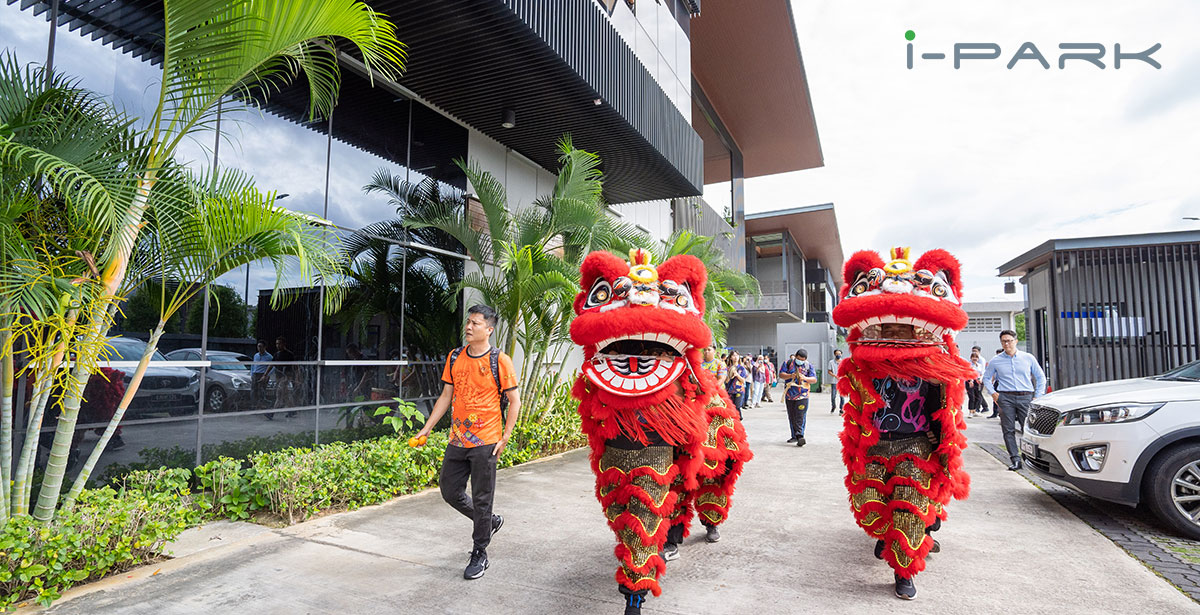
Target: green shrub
x,y
108,531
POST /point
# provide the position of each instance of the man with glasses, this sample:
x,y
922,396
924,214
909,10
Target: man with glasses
x,y
1014,379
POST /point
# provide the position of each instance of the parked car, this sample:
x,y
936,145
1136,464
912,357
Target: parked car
x,y
227,385
174,390
1127,441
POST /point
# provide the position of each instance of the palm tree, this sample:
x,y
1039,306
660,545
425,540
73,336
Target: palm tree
x,y
119,182
532,258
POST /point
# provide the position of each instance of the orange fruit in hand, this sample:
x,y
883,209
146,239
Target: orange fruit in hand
x,y
414,442
422,440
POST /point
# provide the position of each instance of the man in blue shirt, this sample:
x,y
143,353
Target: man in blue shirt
x,y
260,375
798,376
1014,379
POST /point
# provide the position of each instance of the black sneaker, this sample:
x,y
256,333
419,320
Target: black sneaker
x,y
670,552
497,523
905,589
936,548
878,549
801,441
116,443
713,535
478,563
792,439
634,602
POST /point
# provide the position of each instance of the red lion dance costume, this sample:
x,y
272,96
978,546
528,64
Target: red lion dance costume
x,y
902,442
666,441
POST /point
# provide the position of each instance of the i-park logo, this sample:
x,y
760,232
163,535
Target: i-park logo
x,y
1092,53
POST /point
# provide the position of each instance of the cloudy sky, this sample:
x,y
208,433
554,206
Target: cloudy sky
x,y
989,162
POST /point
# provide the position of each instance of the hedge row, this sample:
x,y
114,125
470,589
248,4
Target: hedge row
x,y
114,529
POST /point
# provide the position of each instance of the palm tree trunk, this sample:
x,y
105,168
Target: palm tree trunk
x,y
6,424
130,391
60,450
22,481
112,278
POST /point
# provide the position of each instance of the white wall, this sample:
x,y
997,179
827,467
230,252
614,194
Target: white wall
x,y
653,216
657,40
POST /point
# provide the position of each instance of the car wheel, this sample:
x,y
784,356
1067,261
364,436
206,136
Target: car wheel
x,y
1173,488
216,399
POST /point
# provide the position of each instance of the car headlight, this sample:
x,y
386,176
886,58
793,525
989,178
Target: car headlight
x,y
240,383
1112,413
194,379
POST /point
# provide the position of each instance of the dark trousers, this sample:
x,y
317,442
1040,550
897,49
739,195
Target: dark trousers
x,y
737,402
479,465
797,411
975,396
1014,407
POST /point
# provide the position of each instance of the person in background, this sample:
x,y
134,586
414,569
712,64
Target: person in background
x,y
715,367
735,386
798,376
748,365
975,404
1013,379
759,375
995,408
260,376
771,378
836,401
286,379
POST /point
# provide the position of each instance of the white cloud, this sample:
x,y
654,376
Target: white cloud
x,y
989,162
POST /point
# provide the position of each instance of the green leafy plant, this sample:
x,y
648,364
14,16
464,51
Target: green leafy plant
x,y
404,417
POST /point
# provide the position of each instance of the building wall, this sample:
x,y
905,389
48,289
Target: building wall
x,y
1125,312
654,217
659,41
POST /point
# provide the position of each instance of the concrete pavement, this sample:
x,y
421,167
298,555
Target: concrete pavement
x,y
789,546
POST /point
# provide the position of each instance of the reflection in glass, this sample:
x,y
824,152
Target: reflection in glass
x,y
239,436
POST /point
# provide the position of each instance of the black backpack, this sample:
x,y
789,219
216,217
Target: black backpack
x,y
494,359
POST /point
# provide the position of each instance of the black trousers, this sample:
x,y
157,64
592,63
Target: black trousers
x,y
975,396
797,411
478,464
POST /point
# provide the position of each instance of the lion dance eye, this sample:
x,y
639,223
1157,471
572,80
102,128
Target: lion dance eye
x,y
668,288
600,294
939,290
621,287
682,301
923,278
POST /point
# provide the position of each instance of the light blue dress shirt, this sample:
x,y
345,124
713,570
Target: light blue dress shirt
x,y
1017,373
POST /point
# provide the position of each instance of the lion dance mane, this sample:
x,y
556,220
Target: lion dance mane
x,y
890,495
666,442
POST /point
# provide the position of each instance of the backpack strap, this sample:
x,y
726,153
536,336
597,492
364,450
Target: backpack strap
x,y
494,359
453,358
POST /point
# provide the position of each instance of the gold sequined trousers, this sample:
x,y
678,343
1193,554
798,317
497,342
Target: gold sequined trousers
x,y
634,487
891,500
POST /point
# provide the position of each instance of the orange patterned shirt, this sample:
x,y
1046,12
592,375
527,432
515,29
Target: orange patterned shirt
x,y
476,419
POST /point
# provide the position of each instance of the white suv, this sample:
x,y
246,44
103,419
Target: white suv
x,y
1125,441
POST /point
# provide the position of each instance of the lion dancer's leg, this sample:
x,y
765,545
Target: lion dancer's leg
x,y
634,487
723,453
891,500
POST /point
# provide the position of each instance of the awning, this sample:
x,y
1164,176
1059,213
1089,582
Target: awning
x,y
814,229
746,57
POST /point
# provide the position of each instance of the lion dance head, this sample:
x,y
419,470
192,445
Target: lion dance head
x,y
901,310
641,327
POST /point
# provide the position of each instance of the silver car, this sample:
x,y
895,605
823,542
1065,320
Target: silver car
x,y
173,390
227,386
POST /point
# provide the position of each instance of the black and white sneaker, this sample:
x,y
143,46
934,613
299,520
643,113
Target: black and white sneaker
x,y
478,563
801,441
634,602
936,548
670,552
905,589
713,535
497,523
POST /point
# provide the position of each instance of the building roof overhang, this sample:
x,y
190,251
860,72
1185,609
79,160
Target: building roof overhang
x,y
746,58
1042,254
473,60
814,229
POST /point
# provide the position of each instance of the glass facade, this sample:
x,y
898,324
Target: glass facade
x,y
319,376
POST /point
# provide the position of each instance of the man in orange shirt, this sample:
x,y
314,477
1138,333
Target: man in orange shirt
x,y
479,429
